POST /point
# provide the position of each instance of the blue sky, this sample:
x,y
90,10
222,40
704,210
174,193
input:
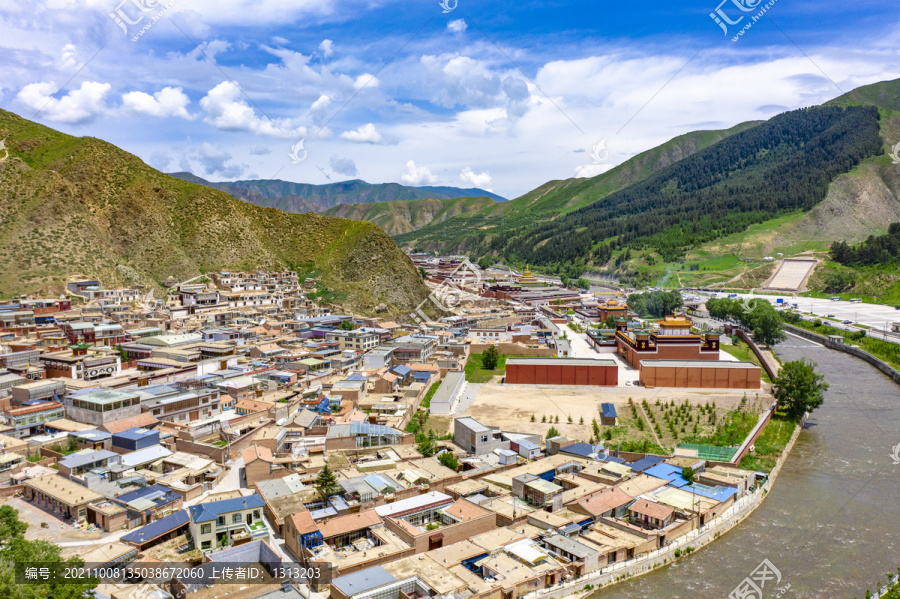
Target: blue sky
x,y
499,95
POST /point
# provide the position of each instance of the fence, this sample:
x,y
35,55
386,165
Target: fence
x,y
759,355
853,351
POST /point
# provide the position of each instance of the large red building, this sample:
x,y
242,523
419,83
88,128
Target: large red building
x,y
675,339
561,371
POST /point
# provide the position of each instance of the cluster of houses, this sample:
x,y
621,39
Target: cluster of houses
x,y
205,419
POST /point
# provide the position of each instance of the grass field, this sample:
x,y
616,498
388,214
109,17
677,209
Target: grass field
x,y
771,443
476,373
426,401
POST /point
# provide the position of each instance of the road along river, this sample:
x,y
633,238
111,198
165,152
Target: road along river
x,y
831,524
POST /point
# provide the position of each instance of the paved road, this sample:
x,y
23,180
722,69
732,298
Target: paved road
x,y
871,315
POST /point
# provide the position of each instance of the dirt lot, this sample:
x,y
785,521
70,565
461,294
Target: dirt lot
x,y
56,529
510,406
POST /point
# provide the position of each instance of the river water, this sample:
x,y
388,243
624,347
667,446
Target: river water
x,y
831,524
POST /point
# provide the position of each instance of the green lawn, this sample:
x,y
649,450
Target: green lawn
x,y
771,443
426,401
475,372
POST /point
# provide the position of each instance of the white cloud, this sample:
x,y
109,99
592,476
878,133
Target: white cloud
x,y
78,106
68,57
169,101
366,80
228,111
343,166
281,41
469,178
214,162
366,134
457,25
417,175
327,48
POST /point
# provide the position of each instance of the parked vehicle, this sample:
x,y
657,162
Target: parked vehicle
x,y
848,322
836,299
856,300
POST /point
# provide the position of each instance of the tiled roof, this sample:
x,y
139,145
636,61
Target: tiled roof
x,y
648,508
206,512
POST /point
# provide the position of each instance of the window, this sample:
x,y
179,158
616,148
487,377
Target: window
x,y
205,529
221,520
206,545
235,518
256,514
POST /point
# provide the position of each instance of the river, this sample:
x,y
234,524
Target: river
x,y
831,524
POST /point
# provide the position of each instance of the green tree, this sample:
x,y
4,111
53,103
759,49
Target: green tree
x,y
552,432
583,283
326,482
799,388
16,548
768,327
485,262
423,273
449,460
688,474
427,446
490,357
10,525
346,325
608,434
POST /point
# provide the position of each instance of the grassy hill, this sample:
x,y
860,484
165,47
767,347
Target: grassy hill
x,y
399,217
80,207
305,197
556,198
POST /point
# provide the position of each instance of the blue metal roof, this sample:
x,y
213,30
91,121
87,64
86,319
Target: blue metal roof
x,y
580,449
206,512
135,434
609,410
647,462
669,473
529,445
157,493
401,370
719,493
158,528
77,460
362,581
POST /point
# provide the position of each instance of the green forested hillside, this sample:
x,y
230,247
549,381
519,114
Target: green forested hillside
x,y
400,217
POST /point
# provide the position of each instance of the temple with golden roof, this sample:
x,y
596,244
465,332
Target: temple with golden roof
x,y
527,279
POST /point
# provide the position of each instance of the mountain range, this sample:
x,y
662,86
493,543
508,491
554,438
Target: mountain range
x,y
79,207
306,197
792,184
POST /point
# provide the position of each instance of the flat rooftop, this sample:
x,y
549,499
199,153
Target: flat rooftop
x,y
559,362
698,364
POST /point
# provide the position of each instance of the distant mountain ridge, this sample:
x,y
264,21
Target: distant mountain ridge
x,y
306,197
398,217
